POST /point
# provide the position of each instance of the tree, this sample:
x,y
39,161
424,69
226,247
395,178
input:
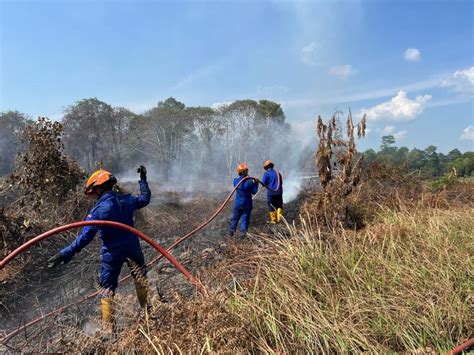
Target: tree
x,y
271,110
387,142
12,123
207,128
119,129
171,103
89,126
370,156
165,134
237,120
432,165
454,154
465,164
252,131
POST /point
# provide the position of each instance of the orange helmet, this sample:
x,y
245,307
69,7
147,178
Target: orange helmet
x,y
267,163
98,178
242,167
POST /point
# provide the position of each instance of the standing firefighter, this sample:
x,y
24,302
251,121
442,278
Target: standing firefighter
x,y
274,182
243,201
117,246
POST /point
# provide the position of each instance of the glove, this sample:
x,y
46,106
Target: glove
x,y
256,180
55,260
142,171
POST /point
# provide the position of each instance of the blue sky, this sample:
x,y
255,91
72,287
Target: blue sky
x,y
408,64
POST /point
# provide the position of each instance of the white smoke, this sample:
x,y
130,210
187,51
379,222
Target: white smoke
x,y
246,139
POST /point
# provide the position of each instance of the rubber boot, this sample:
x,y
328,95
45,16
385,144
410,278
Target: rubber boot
x,y
279,214
273,217
142,291
108,321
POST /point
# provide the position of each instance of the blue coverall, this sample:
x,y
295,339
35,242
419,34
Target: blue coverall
x,y
243,205
274,198
117,245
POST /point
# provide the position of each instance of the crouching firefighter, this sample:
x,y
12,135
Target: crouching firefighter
x,y
274,182
243,201
118,246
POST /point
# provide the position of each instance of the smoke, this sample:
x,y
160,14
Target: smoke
x,y
205,162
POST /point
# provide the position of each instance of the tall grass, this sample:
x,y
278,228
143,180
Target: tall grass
x,y
403,284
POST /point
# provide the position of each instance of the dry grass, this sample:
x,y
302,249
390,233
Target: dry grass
x,y
404,283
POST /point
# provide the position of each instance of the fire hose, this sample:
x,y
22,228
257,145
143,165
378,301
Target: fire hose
x,y
141,235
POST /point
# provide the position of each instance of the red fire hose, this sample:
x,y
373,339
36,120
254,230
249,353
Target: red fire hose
x,y
468,345
117,225
82,300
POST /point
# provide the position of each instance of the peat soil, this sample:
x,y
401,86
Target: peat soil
x,y
168,217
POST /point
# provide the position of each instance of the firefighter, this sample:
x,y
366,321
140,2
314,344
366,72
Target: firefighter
x,y
243,201
117,246
274,181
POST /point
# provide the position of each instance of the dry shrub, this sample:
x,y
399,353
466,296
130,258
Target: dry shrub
x,y
339,170
44,173
352,194
387,186
45,183
384,186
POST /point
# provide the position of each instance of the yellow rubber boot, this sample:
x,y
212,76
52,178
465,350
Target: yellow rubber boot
x,y
108,322
273,217
279,213
141,286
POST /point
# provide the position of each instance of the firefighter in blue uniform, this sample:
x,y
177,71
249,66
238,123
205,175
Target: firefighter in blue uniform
x,y
274,181
243,201
117,246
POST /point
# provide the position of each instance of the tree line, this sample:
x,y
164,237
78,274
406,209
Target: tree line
x,y
177,140
170,136
426,162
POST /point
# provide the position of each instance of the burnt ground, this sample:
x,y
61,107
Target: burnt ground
x,y
169,216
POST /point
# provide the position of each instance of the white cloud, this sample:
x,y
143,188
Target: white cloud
x,y
400,135
412,55
389,129
398,108
461,81
342,71
308,54
468,134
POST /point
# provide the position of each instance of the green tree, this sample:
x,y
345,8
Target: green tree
x,y
432,165
271,110
454,154
465,164
370,156
171,103
416,159
387,142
